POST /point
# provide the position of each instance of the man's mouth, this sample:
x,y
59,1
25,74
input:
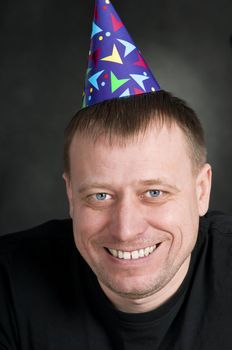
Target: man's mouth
x,y
134,255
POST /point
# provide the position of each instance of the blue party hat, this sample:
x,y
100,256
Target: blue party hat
x,y
116,67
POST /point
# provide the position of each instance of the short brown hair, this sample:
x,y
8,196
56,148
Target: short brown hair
x,y
125,118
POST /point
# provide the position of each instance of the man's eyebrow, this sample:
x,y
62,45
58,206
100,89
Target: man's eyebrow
x,y
151,182
85,186
157,182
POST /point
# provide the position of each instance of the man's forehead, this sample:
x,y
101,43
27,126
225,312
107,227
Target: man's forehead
x,y
116,139
162,147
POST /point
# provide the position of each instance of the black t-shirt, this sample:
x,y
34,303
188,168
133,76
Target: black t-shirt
x,y
51,300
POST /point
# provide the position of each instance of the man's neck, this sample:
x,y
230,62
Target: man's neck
x,y
151,302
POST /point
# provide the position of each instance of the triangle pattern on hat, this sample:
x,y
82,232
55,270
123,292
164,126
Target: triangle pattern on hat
x,y
138,91
95,56
116,23
93,79
88,70
116,83
140,62
115,57
126,93
129,47
139,78
95,14
95,30
84,104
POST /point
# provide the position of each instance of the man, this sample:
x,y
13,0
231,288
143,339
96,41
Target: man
x,y
140,265
136,191
157,280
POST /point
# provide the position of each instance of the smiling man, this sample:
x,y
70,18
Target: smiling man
x,y
136,195
140,265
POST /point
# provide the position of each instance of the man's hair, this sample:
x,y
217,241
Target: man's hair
x,y
125,118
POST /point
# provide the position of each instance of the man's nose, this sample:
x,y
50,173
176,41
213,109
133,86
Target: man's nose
x,y
128,220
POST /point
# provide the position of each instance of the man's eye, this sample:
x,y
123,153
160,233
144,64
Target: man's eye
x,y
99,199
153,193
101,196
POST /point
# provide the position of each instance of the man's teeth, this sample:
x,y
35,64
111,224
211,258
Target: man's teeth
x,y
136,254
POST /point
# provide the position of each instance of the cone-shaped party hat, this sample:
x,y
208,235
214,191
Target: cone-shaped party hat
x,y
116,67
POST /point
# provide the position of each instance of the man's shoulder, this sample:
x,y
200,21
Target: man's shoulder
x,y
46,250
217,222
48,232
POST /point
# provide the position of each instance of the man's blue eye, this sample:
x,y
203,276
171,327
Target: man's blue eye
x,y
154,193
101,196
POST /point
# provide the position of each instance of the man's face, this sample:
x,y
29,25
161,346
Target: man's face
x,y
135,208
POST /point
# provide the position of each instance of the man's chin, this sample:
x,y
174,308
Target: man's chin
x,y
131,289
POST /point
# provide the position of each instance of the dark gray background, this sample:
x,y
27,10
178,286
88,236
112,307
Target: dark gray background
x,y
44,46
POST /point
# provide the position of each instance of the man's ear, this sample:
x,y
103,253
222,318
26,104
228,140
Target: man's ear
x,y
203,184
67,180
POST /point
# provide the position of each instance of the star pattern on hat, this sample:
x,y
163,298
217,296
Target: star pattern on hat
x,y
116,68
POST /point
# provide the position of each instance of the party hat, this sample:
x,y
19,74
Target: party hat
x,y
116,67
